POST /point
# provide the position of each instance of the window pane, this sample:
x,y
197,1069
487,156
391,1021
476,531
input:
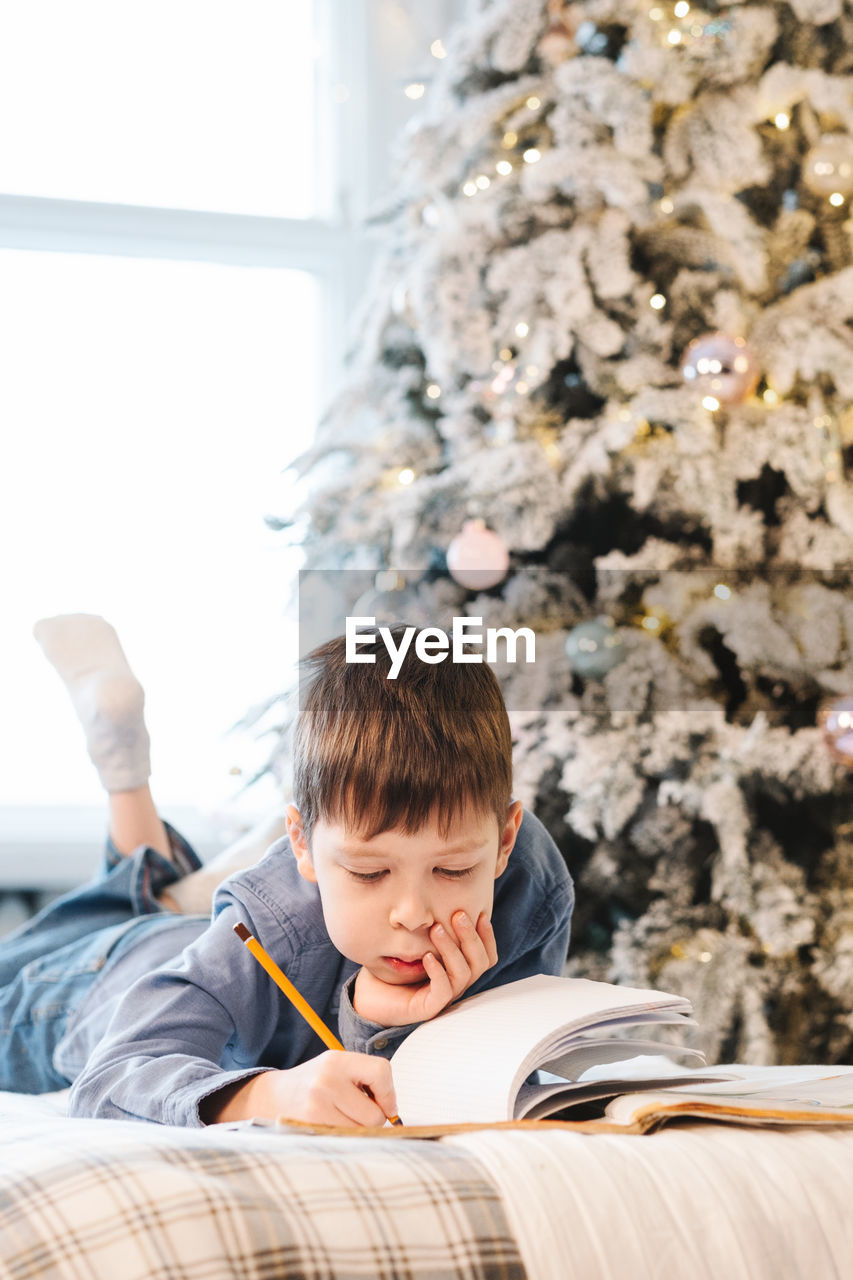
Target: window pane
x,y
147,410
194,104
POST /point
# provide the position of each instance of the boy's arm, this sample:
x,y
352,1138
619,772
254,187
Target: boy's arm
x,y
160,1055
161,1058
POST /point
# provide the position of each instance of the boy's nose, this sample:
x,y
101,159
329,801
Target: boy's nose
x,y
412,913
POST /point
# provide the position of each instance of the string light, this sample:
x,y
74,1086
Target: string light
x,y
406,476
505,354
414,91
655,14
722,592
658,301
503,167
482,181
470,188
711,403
782,121
534,103
509,139
769,396
433,391
437,49
666,205
682,9
531,155
674,36
836,199
522,328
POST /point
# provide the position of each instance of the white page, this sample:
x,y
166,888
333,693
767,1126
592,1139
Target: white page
x,y
467,1064
539,1100
572,1064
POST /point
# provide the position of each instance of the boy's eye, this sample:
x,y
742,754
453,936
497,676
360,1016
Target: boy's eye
x,y
366,877
455,875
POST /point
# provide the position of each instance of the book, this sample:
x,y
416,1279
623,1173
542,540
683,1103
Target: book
x,y
570,1052
808,1094
476,1061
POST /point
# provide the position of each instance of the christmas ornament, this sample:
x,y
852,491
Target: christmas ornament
x,y
835,717
558,42
477,558
721,368
594,648
828,166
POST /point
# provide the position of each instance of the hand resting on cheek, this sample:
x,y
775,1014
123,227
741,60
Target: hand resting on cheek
x,y
459,957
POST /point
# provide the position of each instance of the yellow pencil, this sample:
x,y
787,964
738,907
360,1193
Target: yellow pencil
x,y
330,1040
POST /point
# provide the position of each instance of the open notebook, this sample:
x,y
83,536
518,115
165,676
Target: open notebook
x,y
473,1063
549,1050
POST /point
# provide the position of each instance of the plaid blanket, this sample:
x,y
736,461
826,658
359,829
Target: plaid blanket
x,y
106,1200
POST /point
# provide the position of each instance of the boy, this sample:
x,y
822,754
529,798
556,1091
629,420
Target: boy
x,y
392,894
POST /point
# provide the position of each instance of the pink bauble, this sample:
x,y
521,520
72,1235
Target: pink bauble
x,y
557,44
477,558
835,718
722,367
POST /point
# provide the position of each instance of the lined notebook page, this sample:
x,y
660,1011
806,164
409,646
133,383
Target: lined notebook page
x,y
461,1066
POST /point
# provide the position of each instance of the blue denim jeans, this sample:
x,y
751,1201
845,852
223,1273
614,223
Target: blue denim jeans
x,y
49,964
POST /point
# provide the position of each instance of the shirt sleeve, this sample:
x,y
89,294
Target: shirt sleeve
x,y
361,1036
183,1032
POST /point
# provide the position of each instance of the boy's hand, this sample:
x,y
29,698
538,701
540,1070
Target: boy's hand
x,y
327,1090
462,957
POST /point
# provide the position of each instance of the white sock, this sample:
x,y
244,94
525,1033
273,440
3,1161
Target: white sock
x,y
193,894
107,697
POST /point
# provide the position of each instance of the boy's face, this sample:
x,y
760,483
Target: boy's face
x,y
380,897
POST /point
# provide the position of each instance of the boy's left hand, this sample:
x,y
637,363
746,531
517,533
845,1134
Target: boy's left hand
x,y
462,954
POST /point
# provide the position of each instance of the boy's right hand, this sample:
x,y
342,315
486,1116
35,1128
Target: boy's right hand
x,y
327,1090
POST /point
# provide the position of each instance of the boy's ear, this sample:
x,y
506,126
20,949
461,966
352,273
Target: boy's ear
x,y
508,835
299,845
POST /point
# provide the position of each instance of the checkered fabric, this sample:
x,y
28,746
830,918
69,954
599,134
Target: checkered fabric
x,y
109,1200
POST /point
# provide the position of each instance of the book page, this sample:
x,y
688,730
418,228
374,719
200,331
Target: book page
x,y
467,1064
572,1064
819,1091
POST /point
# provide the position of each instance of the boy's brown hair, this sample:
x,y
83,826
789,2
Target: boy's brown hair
x,y
377,754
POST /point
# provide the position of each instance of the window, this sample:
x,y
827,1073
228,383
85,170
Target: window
x,y
182,104
181,185
148,407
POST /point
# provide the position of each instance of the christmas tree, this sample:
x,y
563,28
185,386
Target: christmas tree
x,y
609,338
